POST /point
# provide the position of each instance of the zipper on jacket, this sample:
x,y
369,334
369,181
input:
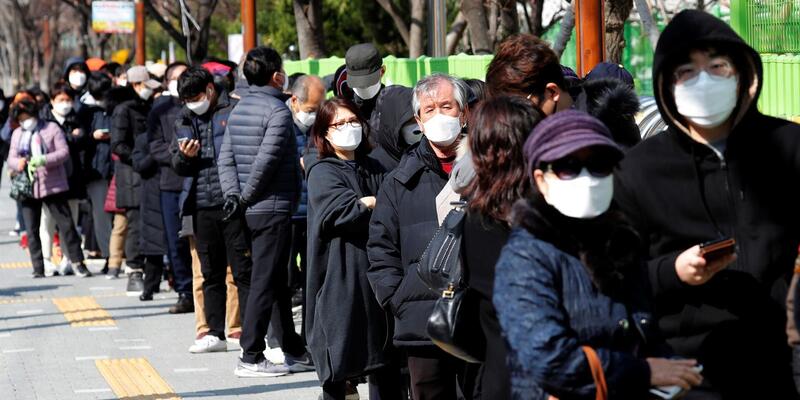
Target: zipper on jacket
x,y
732,204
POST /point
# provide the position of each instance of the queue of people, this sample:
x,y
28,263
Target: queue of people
x,y
601,266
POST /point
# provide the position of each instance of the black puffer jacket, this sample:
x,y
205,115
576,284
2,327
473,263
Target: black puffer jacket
x,y
75,176
614,103
161,133
129,119
97,163
402,224
259,154
393,110
152,239
681,193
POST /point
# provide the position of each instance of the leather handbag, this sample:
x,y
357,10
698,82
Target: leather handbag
x,y
21,187
601,389
454,324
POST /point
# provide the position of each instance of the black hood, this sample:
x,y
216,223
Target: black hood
x,y
392,111
693,28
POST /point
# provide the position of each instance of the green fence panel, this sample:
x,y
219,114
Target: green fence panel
x,y
780,94
770,26
469,67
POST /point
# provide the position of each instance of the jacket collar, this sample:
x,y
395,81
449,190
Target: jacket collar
x,y
268,90
418,158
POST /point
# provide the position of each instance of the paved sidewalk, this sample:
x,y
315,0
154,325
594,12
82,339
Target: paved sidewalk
x,y
118,345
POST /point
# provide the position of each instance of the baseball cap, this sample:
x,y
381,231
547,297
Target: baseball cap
x,y
610,70
139,73
364,64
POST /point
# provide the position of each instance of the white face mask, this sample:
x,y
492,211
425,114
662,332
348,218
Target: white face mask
x,y
199,107
122,82
145,93
62,109
442,129
585,196
368,92
285,85
77,79
346,138
411,133
173,88
306,119
707,100
28,124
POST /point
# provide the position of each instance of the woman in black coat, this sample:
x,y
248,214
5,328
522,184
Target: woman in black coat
x,y
346,327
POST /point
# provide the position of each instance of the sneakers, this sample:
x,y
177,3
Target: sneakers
x,y
135,284
234,337
81,270
64,268
37,274
299,364
113,273
184,305
261,369
50,269
208,344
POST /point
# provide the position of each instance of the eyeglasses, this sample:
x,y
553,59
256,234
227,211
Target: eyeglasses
x,y
353,122
717,67
570,167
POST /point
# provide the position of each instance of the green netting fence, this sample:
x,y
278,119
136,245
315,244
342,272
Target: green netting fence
x,y
770,26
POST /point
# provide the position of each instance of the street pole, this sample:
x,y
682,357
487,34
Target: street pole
x,y
140,43
249,24
589,34
437,28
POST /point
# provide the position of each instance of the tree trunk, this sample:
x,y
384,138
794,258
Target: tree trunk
x,y
567,25
416,42
310,36
537,7
399,22
648,25
456,33
475,14
494,12
509,20
617,12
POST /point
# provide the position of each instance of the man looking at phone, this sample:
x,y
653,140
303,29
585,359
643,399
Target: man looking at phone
x,y
220,236
722,170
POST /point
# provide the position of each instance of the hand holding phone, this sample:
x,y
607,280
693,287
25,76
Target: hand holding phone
x,y
715,249
668,392
697,265
188,147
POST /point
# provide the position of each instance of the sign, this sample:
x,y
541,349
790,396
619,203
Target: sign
x,y
235,47
113,16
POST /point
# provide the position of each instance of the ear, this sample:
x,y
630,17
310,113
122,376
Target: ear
x,y
541,184
383,70
552,92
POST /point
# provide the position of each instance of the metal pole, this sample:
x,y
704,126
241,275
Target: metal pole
x,y
589,34
249,24
140,34
437,28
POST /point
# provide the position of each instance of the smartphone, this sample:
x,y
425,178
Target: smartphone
x,y
672,392
717,248
182,140
104,130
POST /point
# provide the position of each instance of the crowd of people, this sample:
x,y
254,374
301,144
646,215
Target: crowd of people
x,y
596,265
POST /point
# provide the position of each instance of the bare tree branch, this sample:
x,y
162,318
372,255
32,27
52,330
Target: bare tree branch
x,y
166,25
456,32
399,23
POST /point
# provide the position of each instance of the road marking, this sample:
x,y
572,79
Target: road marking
x,y
86,358
187,370
32,299
128,340
103,328
135,348
16,265
9,351
30,312
101,288
83,311
5,334
135,378
80,391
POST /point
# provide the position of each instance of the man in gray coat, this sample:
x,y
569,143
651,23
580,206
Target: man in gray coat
x,y
259,173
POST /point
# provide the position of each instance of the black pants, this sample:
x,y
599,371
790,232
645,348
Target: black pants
x,y
384,384
271,246
133,256
297,270
59,209
178,248
153,269
436,375
219,244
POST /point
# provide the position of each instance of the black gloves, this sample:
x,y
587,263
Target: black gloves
x,y
233,207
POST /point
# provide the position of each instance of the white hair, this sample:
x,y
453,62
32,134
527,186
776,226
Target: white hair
x,y
429,85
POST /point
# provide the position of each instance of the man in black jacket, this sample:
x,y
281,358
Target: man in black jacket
x,y
161,132
721,170
404,221
199,130
259,171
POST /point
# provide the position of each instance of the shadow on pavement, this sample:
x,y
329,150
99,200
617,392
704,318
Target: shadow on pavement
x,y
16,291
250,389
66,323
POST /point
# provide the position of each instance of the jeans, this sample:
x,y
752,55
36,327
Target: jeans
x,y
59,210
102,221
271,246
218,244
177,247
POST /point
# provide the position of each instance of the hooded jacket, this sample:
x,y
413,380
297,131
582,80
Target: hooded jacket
x,y
392,111
128,121
75,176
680,193
161,133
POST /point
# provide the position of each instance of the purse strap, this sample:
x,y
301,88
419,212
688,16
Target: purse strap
x,y
597,373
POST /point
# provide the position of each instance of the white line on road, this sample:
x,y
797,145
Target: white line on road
x,y
30,312
79,391
5,334
86,358
128,340
187,370
99,288
8,351
103,328
135,348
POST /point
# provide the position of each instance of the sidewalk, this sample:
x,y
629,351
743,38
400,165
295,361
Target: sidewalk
x,y
82,338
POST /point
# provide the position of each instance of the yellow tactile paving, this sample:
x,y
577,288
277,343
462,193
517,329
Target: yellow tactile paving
x,y
34,299
83,311
135,378
16,265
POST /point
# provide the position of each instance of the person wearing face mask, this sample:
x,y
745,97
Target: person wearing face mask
x,y
260,177
76,74
129,120
571,275
404,221
38,148
394,126
345,323
720,170
364,72
219,242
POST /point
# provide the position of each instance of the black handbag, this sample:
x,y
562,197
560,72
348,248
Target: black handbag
x,y
454,324
21,187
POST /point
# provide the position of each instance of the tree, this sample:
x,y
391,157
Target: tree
x,y
164,12
475,14
416,37
310,30
617,12
648,25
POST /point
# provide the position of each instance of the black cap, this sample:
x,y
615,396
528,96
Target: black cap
x,y
610,70
364,64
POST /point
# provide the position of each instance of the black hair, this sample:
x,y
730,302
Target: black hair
x,y
193,82
113,68
260,64
24,106
62,87
99,84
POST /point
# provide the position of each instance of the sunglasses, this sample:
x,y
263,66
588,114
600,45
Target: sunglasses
x,y
570,167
